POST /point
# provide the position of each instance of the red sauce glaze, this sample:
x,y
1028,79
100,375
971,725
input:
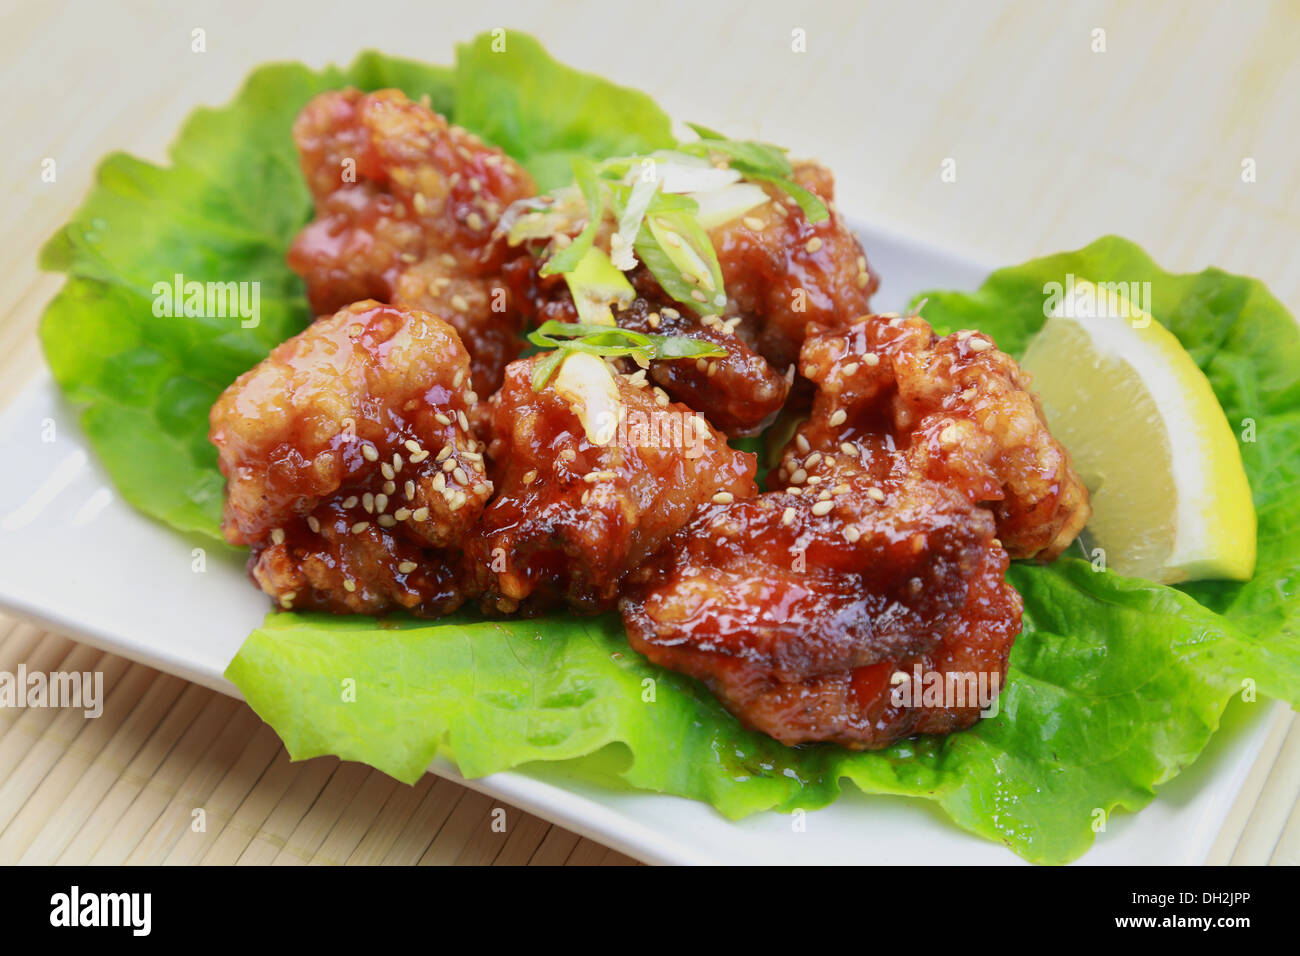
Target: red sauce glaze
x,y
406,206
348,454
572,518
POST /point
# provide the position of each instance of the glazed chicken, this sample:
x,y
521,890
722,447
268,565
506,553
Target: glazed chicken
x,y
406,206
351,468
958,408
798,608
573,516
780,272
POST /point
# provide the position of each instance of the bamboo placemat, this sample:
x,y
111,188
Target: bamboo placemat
x,y
1053,140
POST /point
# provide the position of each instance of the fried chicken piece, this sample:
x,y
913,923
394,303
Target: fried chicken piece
x,y
573,517
782,272
350,462
961,412
796,610
406,206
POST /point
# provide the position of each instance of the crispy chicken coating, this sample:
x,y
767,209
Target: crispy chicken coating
x,y
958,408
573,517
406,206
798,608
780,271
350,462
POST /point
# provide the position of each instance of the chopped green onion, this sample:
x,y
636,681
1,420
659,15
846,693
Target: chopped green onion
x,y
610,342
808,201
567,259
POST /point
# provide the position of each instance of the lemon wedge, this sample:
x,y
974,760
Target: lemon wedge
x,y
1148,437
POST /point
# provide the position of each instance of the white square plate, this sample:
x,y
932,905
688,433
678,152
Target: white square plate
x,y
76,557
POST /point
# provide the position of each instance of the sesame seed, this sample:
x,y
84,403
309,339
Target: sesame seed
x,y
360,526
980,345
368,502
390,488
812,459
456,500
386,521
387,471
397,462
652,320
471,397
474,221
568,454
464,422
723,498
409,489
792,490
401,514
444,453
871,358
753,222
848,448
950,435
849,369
419,456
420,514
277,536
439,481
381,502
458,378
813,244
349,585
799,477
838,417
441,419
313,524
787,516
458,303
482,488
852,534
406,567
801,442
701,365
699,296
530,476
411,444
449,465
822,508
875,494
350,501
586,496
460,476
369,453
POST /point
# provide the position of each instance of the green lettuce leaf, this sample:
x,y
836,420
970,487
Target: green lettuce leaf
x,y
511,92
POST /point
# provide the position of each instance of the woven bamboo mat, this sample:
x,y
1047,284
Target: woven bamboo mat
x,y
1054,142
172,772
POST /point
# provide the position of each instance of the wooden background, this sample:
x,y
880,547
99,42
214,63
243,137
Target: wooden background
x,y
1055,142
